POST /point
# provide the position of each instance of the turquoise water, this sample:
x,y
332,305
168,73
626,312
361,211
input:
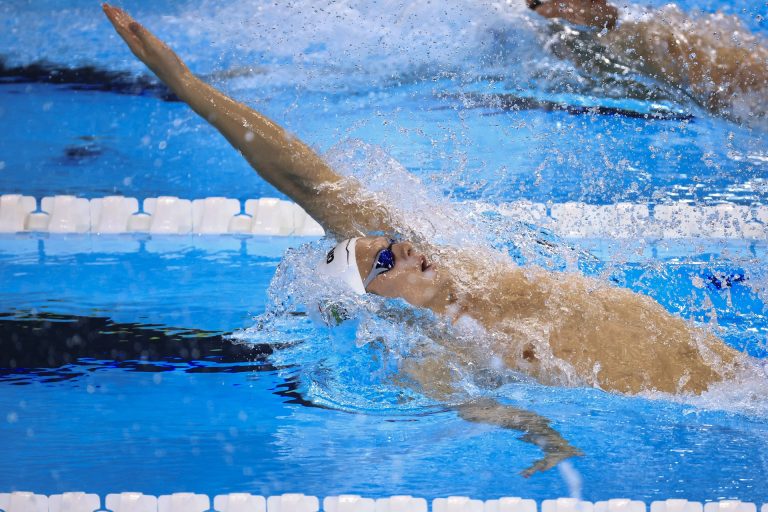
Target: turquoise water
x,y
119,369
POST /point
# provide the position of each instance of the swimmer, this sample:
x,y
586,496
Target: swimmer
x,y
590,13
712,58
562,329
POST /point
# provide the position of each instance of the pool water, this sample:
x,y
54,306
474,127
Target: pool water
x,y
138,362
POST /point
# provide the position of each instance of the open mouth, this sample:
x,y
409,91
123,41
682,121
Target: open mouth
x,y
425,265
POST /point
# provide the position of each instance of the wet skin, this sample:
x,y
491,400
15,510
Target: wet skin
x,y
611,338
591,13
414,277
602,335
725,75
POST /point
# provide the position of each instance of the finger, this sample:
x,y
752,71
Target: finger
x,y
119,18
120,14
148,39
120,21
133,42
115,15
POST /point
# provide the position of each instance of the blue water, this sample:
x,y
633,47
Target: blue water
x,y
324,417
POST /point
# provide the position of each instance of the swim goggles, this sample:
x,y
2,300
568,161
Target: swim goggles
x,y
384,262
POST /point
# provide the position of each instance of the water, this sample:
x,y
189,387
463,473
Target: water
x,y
293,415
152,362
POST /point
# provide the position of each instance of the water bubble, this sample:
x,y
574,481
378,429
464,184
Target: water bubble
x,y
163,144
12,417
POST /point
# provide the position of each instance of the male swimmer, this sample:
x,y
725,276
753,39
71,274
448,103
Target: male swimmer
x,y
711,58
559,328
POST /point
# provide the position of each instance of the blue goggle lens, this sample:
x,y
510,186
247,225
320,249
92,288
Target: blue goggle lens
x,y
384,262
385,259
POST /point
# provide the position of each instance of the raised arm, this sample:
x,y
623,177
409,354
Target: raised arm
x,y
280,158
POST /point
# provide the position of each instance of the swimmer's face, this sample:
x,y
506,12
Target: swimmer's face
x,y
413,278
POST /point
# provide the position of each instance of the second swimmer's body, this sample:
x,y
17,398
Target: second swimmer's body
x,y
712,58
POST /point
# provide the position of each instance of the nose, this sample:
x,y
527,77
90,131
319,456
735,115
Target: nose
x,y
405,250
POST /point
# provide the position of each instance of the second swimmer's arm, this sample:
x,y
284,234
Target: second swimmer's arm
x,y
593,13
281,159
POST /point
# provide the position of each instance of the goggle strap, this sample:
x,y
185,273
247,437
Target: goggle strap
x,y
375,272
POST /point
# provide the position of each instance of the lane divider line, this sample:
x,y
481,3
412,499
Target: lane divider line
x,y
244,502
170,215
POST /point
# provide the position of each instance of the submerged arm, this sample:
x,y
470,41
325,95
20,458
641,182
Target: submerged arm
x,y
435,378
281,159
535,428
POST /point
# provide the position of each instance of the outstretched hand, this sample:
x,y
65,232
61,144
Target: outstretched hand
x,y
149,49
552,457
536,430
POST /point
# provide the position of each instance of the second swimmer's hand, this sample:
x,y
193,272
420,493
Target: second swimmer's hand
x,y
152,51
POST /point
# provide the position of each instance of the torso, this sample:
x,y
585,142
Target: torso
x,y
567,329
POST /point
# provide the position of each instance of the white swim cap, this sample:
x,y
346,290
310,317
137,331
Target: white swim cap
x,y
341,263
